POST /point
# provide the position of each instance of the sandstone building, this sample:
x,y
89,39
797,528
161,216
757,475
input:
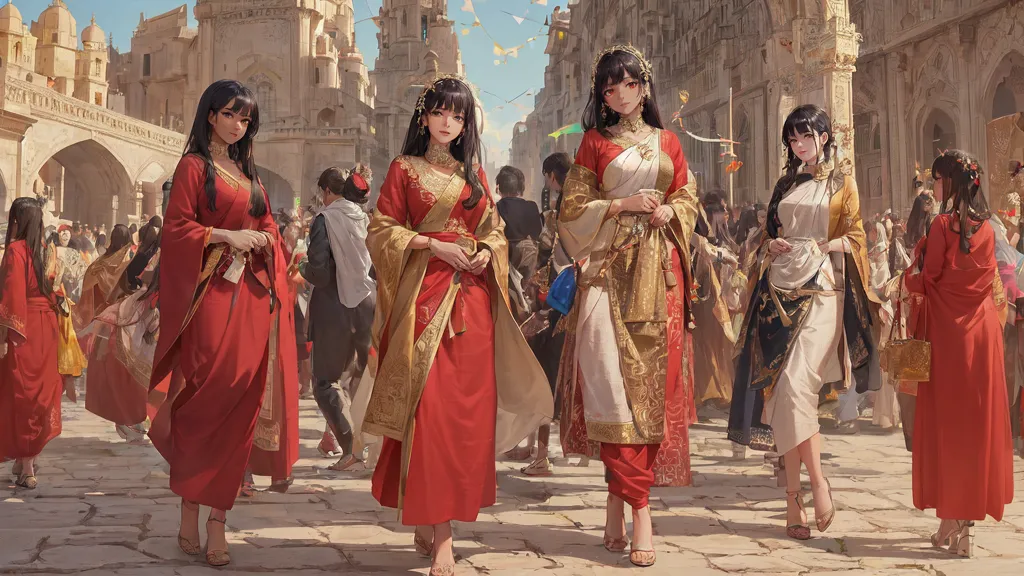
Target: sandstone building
x,y
902,79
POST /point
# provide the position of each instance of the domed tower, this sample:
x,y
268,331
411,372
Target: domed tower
x,y
57,48
91,67
17,46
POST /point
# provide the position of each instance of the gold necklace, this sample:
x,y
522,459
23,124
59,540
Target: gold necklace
x,y
635,125
440,156
218,149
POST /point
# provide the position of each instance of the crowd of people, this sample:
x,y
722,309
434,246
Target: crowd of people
x,y
447,324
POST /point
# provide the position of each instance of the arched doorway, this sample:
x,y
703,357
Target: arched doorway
x,y
1006,88
85,182
282,196
939,134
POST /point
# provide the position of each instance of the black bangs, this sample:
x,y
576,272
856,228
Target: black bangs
x,y
613,68
242,104
798,123
449,94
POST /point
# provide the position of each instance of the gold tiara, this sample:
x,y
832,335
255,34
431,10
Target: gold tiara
x,y
645,66
433,84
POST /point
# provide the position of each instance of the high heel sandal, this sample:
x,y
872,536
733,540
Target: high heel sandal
x,y
26,481
826,520
797,531
424,547
187,546
962,540
616,545
941,536
642,558
216,558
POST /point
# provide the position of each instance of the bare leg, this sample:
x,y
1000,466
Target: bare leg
x,y
810,455
615,519
795,515
216,539
643,532
543,437
444,556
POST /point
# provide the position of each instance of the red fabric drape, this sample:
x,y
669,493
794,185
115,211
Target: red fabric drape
x,y
221,351
30,385
112,392
962,453
451,471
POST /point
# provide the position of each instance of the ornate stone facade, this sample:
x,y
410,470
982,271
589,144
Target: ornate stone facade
x,y
902,79
58,139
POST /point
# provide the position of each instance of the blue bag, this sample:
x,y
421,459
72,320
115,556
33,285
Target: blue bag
x,y
563,291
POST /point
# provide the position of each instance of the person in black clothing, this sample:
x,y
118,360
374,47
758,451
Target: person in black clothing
x,y
344,294
522,220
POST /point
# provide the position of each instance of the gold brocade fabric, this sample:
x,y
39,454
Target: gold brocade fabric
x,y
268,423
632,272
70,359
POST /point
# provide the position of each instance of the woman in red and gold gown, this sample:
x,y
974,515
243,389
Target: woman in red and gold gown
x,y
628,211
456,383
35,331
963,455
223,338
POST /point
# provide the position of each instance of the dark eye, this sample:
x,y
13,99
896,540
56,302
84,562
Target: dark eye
x,y
435,112
460,118
632,84
227,114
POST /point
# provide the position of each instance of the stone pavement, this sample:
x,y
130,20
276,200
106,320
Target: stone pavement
x,y
103,508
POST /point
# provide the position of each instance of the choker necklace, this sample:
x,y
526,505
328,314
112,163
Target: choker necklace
x,y
440,156
218,149
632,125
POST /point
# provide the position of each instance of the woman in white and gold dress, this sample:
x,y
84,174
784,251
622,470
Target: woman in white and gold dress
x,y
807,324
628,210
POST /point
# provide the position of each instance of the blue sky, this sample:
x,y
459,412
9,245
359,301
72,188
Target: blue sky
x,y
497,83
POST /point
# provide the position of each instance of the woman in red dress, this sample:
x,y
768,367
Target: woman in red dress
x,y
628,211
457,382
30,380
221,331
963,456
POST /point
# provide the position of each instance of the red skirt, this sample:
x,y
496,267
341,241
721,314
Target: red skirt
x,y
30,387
223,362
112,393
452,466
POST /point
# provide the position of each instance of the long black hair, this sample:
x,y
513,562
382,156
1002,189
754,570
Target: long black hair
x,y
806,119
217,97
612,69
453,95
961,185
25,222
919,221
120,236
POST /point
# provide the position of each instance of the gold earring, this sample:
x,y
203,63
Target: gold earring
x,y
459,139
604,109
423,129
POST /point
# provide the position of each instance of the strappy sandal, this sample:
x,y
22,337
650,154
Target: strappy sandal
x,y
642,558
187,546
540,467
280,486
826,520
941,537
797,531
616,545
216,558
27,481
962,541
444,570
345,463
423,547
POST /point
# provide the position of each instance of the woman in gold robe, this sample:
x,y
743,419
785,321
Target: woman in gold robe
x,y
457,382
628,214
807,324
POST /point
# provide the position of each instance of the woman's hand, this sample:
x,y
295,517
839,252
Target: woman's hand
x,y
834,245
478,265
662,215
641,203
451,253
779,246
244,240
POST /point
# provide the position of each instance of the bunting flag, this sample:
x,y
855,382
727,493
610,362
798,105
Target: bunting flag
x,y
519,19
541,2
570,129
465,31
467,6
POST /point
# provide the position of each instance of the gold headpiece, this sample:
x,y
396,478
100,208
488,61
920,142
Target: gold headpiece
x,y
433,84
645,66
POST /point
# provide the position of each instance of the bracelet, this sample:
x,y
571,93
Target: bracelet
x,y
430,243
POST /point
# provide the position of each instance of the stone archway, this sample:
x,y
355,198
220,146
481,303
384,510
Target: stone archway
x,y
280,192
94,186
1004,93
938,133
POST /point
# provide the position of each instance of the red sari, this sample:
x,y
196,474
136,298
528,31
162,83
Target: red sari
x,y
634,466
451,473
30,384
963,456
215,336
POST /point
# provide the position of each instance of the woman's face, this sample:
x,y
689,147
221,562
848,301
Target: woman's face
x,y
808,146
624,97
444,125
228,126
762,217
65,237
